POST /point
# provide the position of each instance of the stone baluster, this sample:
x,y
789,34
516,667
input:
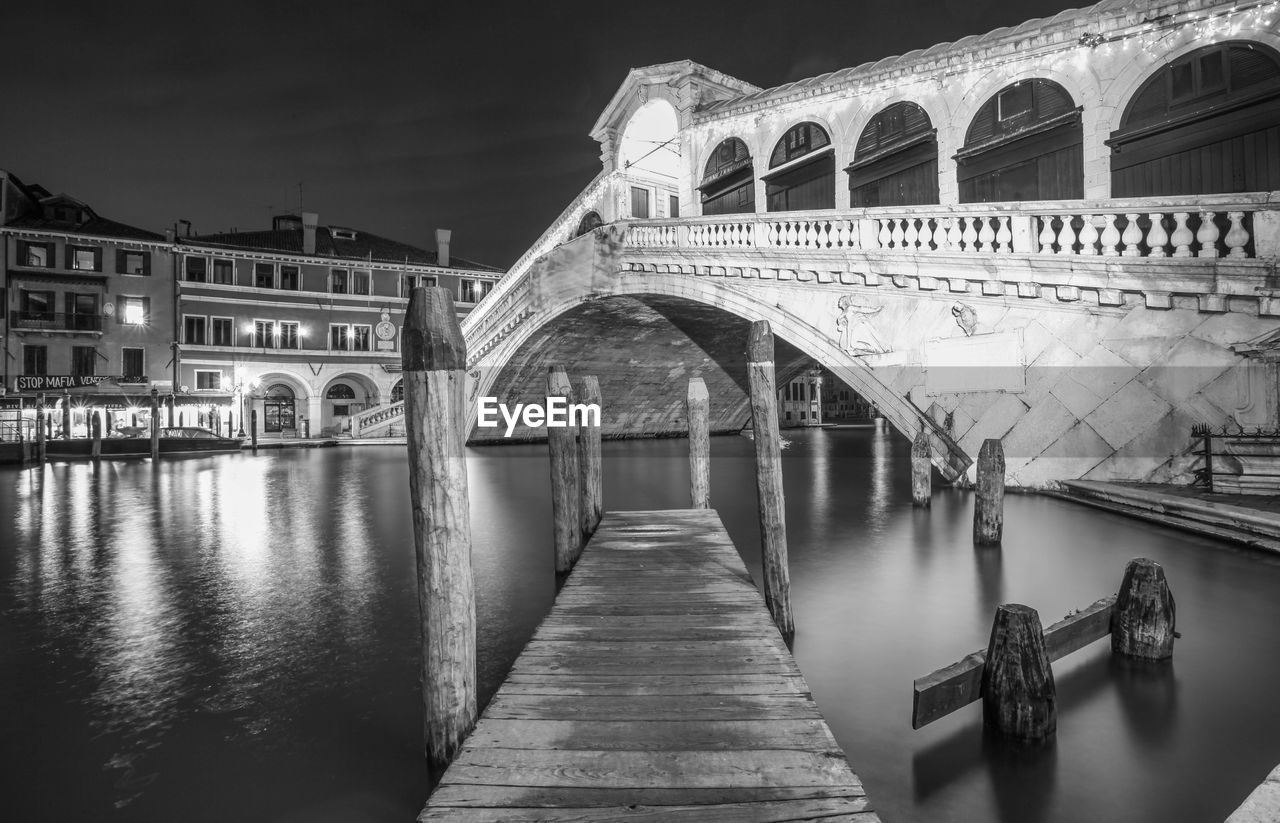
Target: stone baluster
x,y
969,235
1132,236
911,235
1182,235
885,235
1067,236
986,234
1236,237
842,233
1088,236
952,233
1004,236
1047,235
791,233
1110,236
1157,237
1207,236
813,234
926,234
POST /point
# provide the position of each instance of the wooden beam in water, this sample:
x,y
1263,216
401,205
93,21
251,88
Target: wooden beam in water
x,y
953,687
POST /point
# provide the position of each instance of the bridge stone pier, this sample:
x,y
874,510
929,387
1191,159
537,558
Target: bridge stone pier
x,y
1080,263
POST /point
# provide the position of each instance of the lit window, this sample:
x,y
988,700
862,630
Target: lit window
x,y
134,310
84,260
133,262
288,336
38,255
208,380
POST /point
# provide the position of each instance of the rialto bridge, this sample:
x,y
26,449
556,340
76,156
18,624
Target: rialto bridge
x,y
1063,235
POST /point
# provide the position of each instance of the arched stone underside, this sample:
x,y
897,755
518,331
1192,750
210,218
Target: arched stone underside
x,y
674,327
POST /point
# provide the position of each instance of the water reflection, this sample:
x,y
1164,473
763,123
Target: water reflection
x,y
239,634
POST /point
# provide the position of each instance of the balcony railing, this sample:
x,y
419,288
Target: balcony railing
x,y
1208,226
55,321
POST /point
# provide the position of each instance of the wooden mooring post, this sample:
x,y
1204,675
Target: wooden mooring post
x,y
1143,627
566,500
66,415
155,425
1019,699
768,442
988,497
253,429
698,410
921,470
95,428
434,358
590,463
40,429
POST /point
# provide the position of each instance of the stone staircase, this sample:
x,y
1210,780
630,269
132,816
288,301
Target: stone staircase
x,y
379,421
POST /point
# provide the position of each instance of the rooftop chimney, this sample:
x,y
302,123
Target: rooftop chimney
x,y
309,220
442,246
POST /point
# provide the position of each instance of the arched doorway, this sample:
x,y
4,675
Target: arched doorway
x,y
802,170
896,160
1025,143
1206,123
649,156
343,397
589,222
278,409
728,182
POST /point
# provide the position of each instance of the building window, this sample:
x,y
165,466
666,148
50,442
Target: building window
x,y
639,202
343,337
264,276
133,311
263,334
35,360
1015,100
208,380
197,269
361,338
37,255
84,259
360,282
290,278
193,330
131,364
83,360
673,205
133,262
220,331
338,281
410,281
469,291
82,312
36,306
224,272
288,336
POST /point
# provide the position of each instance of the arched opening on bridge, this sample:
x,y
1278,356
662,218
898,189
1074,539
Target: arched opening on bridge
x,y
649,156
816,396
728,182
279,409
1025,143
802,170
896,160
397,392
589,222
1206,123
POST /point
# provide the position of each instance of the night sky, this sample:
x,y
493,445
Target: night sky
x,y
395,118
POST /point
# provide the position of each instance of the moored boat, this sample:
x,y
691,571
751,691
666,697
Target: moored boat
x,y
135,442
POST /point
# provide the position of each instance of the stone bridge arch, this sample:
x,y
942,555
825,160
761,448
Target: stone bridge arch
x,y
645,333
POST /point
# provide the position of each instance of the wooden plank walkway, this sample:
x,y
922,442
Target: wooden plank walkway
x,y
656,689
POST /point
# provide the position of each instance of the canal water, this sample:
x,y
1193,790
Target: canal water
x,y
234,637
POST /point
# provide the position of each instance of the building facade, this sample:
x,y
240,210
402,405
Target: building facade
x,y
89,312
301,323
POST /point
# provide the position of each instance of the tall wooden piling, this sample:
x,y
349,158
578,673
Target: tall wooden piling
x,y
1019,699
921,470
66,415
768,442
95,430
590,463
155,425
1144,618
253,429
168,404
566,500
41,423
988,498
434,359
698,410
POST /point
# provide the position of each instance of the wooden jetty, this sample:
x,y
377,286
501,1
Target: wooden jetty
x,y
657,688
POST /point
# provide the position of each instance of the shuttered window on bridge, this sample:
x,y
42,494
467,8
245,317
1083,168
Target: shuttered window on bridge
x,y
1206,123
896,160
1024,144
728,182
802,172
